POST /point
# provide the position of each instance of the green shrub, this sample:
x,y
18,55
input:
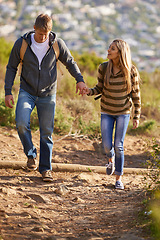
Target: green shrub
x,y
150,100
88,62
62,122
7,115
144,128
155,78
91,81
76,116
5,50
90,128
79,106
156,215
153,176
151,215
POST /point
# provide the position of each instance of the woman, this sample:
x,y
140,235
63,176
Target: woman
x,y
118,84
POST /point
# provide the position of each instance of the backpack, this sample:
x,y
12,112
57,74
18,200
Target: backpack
x,y
24,48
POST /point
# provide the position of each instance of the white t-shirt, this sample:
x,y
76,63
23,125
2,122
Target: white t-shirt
x,y
39,49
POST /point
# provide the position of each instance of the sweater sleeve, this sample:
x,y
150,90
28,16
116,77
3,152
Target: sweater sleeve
x,y
135,93
99,86
12,66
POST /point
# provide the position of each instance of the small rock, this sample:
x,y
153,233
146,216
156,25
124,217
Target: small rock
x,y
8,191
77,199
26,214
89,177
37,198
37,229
20,225
61,190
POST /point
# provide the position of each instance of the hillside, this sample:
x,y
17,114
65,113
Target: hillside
x,y
92,24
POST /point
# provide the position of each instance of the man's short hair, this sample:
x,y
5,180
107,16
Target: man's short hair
x,y
44,22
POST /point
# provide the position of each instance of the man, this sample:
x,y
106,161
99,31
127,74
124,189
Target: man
x,y
38,83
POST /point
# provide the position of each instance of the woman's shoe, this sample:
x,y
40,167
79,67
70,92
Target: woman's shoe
x,y
119,185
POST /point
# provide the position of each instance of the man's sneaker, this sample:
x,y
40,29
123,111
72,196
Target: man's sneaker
x,y
47,176
32,164
110,167
119,185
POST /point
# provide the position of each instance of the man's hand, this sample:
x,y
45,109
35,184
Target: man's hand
x,y
81,86
9,101
135,123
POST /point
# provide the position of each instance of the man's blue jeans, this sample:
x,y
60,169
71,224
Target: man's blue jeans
x,y
107,126
46,111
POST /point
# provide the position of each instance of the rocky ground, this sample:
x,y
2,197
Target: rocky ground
x,y
77,205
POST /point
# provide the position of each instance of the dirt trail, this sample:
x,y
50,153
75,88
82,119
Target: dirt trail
x,y
76,205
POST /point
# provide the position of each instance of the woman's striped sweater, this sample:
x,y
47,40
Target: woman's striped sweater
x,y
115,100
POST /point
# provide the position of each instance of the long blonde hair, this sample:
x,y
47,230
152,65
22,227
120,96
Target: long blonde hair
x,y
125,63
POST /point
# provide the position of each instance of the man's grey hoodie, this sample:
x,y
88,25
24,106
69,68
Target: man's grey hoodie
x,y
39,80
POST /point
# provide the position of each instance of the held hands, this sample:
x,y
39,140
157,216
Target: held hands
x,y
9,101
83,89
87,90
135,123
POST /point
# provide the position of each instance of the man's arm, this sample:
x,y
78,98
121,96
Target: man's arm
x,y
12,65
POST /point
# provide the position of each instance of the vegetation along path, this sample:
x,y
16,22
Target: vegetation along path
x,y
76,205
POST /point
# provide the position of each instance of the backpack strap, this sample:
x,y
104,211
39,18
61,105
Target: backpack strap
x,y
56,49
57,52
22,52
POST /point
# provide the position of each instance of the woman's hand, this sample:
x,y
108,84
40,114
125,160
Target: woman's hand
x,y
135,123
87,90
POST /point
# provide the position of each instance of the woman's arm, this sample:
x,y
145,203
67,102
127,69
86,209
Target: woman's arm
x,y
136,96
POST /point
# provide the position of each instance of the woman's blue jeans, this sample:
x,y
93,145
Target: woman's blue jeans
x,y
46,111
107,126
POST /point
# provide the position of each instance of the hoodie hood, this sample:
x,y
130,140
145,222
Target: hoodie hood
x,y
27,37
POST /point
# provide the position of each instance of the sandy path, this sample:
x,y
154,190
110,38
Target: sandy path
x,y
76,205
